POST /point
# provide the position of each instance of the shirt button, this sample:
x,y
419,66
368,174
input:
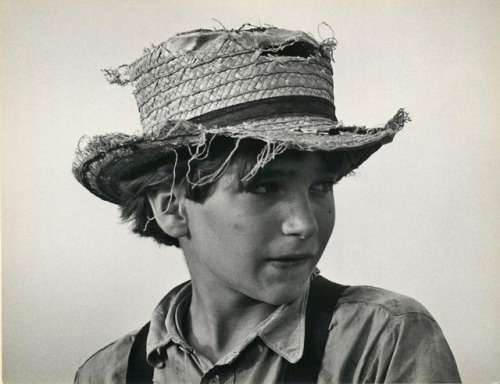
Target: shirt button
x,y
215,380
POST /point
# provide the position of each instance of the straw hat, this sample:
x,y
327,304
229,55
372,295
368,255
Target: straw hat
x,y
270,84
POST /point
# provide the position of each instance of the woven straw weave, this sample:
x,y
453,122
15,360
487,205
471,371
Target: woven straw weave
x,y
226,72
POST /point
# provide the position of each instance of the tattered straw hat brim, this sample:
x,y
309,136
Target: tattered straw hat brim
x,y
104,161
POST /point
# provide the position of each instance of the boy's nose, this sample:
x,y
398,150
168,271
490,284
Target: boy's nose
x,y
299,219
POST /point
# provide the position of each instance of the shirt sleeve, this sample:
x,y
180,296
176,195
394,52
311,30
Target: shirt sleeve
x,y
108,365
413,349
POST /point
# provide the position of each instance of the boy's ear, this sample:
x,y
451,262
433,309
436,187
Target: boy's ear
x,y
169,211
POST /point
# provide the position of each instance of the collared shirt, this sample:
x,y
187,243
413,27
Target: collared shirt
x,y
375,336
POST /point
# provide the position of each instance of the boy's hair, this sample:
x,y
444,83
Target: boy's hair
x,y
198,176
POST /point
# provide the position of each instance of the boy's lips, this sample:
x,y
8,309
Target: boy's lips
x,y
294,259
297,256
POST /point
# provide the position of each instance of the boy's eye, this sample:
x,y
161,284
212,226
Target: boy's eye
x,y
324,186
264,188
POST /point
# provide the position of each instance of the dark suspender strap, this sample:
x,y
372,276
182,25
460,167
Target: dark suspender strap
x,y
138,369
323,297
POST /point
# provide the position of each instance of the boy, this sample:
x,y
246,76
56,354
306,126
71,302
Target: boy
x,y
240,151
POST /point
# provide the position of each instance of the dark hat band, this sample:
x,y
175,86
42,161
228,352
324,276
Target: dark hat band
x,y
273,107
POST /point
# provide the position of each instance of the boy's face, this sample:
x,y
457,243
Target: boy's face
x,y
264,242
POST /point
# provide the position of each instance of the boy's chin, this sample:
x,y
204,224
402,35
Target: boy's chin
x,y
282,295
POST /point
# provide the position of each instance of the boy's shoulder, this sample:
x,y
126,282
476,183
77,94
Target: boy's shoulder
x,y
378,299
109,364
385,336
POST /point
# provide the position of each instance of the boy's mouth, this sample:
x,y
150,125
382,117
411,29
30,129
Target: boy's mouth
x,y
290,260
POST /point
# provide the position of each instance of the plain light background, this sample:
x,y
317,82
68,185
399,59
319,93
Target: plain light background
x,y
422,217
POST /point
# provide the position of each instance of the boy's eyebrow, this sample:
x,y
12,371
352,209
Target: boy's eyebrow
x,y
277,172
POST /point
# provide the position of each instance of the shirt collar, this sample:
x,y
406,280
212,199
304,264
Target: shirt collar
x,y
162,329
283,331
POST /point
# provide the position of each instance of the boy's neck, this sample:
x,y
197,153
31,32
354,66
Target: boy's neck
x,y
217,322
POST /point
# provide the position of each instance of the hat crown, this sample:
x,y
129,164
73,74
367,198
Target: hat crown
x,y
203,41
204,72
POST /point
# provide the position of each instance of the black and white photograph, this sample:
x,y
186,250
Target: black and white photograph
x,y
250,192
